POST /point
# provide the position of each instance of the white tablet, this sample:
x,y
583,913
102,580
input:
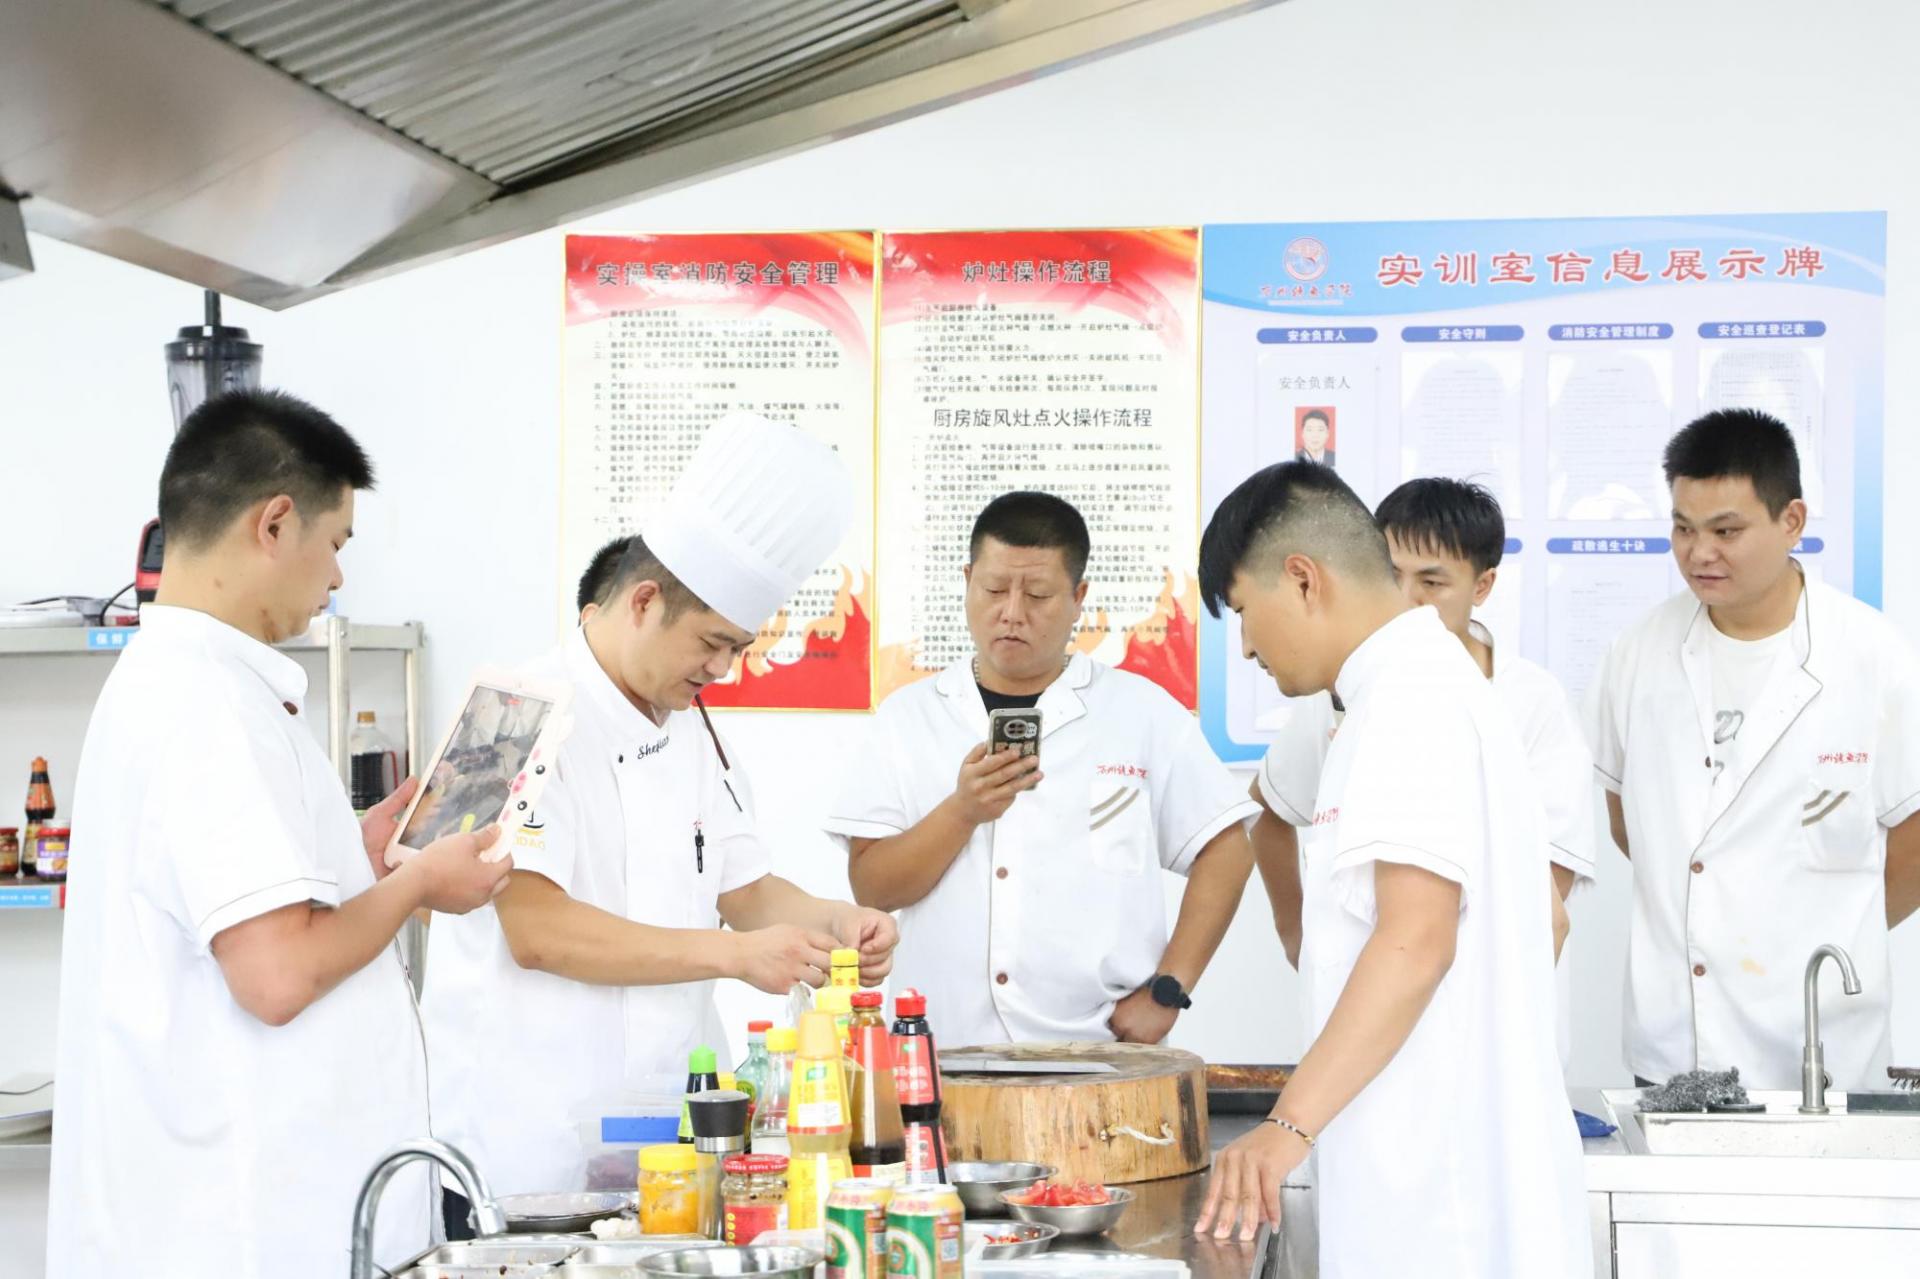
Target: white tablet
x,y
491,765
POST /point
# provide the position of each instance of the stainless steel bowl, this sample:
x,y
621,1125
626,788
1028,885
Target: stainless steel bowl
x,y
707,1263
559,1214
1030,1238
981,1184
1081,1219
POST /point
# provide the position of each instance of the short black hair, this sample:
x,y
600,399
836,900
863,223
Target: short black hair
x,y
1284,509
242,447
599,574
1031,520
1739,444
1311,414
636,564
1450,517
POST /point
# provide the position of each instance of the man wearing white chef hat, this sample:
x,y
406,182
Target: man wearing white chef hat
x,y
1758,738
594,971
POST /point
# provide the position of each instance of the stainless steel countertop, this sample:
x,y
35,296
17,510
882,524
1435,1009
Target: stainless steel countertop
x,y
1160,1223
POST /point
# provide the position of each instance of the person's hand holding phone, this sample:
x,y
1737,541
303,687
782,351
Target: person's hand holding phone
x,y
988,784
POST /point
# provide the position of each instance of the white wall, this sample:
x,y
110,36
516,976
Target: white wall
x,y
1318,109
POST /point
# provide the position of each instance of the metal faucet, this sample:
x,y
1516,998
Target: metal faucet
x,y
487,1217
1813,1058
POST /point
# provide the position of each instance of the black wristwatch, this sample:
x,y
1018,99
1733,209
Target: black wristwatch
x,y
1168,992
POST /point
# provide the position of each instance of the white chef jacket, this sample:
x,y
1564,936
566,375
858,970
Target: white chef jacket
x,y
522,1058
1461,1159
1737,880
1052,913
187,1132
1556,752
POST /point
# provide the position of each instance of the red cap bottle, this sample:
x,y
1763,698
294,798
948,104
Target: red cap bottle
x,y
916,1075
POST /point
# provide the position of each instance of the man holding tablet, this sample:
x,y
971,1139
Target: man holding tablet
x,y
594,971
235,1023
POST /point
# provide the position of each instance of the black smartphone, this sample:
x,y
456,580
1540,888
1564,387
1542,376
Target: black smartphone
x,y
1013,728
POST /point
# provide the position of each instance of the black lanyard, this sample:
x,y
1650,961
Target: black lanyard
x,y
726,769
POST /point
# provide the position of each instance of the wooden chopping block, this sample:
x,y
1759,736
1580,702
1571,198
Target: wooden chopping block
x,y
1146,1120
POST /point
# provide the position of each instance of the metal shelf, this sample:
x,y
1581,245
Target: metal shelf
x,y
32,894
106,641
333,635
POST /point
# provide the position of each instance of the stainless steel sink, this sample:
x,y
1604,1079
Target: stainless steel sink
x,y
1780,1131
543,1257
517,1250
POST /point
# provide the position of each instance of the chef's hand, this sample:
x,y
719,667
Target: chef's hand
x,y
989,783
779,957
1138,1019
457,878
377,827
874,934
1246,1182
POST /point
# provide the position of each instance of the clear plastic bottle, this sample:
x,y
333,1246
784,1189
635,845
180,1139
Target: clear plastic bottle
x,y
751,1077
819,1125
770,1116
375,770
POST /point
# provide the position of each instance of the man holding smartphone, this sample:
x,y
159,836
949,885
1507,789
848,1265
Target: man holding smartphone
x,y
1029,904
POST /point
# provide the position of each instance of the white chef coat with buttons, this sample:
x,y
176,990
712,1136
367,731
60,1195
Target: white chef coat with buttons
x,y
1741,871
1460,1160
1054,912
1556,752
187,1132
522,1058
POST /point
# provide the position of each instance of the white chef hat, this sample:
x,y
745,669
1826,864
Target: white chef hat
x,y
760,507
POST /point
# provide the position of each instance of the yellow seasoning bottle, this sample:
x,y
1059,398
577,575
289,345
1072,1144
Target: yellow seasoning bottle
x,y
837,1000
819,1123
844,969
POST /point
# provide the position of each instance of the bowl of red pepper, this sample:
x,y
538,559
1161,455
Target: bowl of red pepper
x,y
1077,1208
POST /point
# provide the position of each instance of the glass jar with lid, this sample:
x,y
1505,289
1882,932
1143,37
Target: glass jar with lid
x,y
669,1190
754,1193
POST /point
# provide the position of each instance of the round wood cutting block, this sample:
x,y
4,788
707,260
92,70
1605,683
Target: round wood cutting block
x,y
1146,1120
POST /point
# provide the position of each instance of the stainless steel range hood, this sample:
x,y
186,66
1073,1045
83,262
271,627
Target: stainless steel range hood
x,y
277,150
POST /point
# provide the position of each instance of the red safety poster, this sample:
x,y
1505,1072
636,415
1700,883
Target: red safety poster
x,y
1054,360
665,334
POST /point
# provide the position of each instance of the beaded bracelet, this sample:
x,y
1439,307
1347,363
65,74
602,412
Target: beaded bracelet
x,y
1295,1129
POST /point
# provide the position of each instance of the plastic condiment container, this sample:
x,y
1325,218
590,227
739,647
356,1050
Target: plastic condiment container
x,y
669,1195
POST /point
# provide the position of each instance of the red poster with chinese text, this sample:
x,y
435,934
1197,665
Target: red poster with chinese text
x,y
665,334
1057,360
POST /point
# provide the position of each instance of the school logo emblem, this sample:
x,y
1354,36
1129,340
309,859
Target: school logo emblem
x,y
1305,259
